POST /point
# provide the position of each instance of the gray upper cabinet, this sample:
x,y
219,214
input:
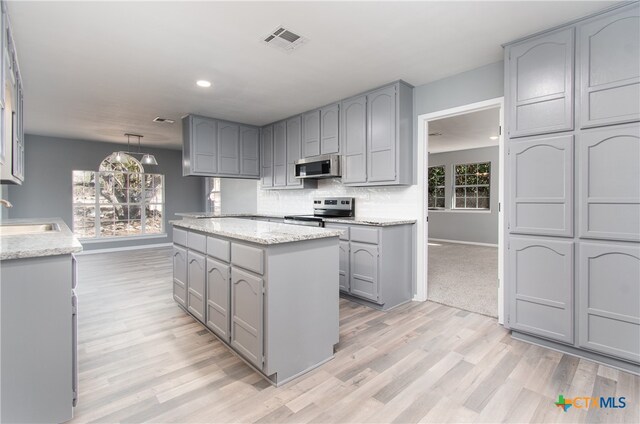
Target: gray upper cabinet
x,y
609,51
381,135
266,156
294,149
609,299
214,148
180,275
218,298
542,186
540,84
200,146
311,133
353,136
249,150
364,271
196,287
247,315
330,129
229,148
609,192
541,293
279,154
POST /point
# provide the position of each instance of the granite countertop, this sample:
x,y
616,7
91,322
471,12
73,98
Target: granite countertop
x,y
377,222
35,245
260,232
225,215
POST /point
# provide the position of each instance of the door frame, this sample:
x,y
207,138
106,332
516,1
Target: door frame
x,y
422,172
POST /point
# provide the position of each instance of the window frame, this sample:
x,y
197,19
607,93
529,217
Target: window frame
x,y
465,186
443,187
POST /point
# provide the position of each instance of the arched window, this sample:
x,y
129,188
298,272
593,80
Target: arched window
x,y
119,200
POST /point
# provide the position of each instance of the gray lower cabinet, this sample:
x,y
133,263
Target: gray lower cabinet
x,y
540,84
364,263
609,299
218,298
247,315
249,150
280,154
541,182
541,292
266,157
344,266
330,129
180,275
196,275
609,49
229,148
609,193
311,134
353,136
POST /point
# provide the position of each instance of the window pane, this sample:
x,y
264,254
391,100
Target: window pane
x,y
153,219
459,192
484,168
483,203
483,179
459,202
84,223
472,169
471,203
107,221
460,180
431,202
440,203
471,191
440,192
461,169
483,191
472,179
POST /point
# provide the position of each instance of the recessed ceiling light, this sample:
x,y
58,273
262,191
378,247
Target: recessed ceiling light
x,y
493,137
203,83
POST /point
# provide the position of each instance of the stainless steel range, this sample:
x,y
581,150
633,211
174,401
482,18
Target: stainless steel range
x,y
324,207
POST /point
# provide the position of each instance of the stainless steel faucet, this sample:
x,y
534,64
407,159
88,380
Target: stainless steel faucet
x,y
6,203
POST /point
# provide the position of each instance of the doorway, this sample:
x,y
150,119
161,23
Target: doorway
x,y
461,240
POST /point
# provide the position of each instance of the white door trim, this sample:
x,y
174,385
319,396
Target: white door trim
x,y
422,227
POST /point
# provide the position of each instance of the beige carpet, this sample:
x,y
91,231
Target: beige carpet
x,y
464,276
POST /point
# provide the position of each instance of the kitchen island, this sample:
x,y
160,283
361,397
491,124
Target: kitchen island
x,y
267,290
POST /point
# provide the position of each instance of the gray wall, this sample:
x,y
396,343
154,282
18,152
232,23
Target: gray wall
x,y
46,191
238,196
470,226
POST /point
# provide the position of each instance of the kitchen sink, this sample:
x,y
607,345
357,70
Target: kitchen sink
x,y
23,229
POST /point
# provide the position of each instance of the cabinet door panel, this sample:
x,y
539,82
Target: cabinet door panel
x,y
180,275
353,135
204,146
381,137
266,153
541,84
609,189
311,133
294,149
229,145
196,287
218,290
330,129
609,299
247,315
542,186
249,151
364,271
610,68
541,288
344,266
279,154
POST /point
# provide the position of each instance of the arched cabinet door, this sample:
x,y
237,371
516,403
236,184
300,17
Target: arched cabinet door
x,y
540,84
280,154
381,122
329,127
229,144
180,275
311,134
541,287
364,271
247,315
609,49
196,287
608,188
609,299
218,290
249,151
266,156
353,136
204,144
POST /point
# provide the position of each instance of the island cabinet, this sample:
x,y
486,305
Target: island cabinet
x,y
573,201
376,263
216,148
275,305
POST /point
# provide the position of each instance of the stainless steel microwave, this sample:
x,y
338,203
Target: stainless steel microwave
x,y
323,166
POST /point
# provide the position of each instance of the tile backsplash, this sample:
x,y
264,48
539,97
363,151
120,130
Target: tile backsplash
x,y
371,202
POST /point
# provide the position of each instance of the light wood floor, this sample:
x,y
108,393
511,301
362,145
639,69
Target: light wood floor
x,y
143,359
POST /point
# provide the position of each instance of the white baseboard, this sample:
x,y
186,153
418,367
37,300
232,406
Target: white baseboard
x,y
463,242
124,248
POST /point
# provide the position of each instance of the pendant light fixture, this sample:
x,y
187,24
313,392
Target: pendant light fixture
x,y
147,159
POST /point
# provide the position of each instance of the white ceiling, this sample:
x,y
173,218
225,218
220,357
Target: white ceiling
x,y
461,132
95,70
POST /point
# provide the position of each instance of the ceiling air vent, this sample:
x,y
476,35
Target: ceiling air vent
x,y
284,39
163,120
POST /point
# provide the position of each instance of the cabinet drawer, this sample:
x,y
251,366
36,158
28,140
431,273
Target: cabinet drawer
x,y
364,234
218,248
344,228
197,242
180,237
247,257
